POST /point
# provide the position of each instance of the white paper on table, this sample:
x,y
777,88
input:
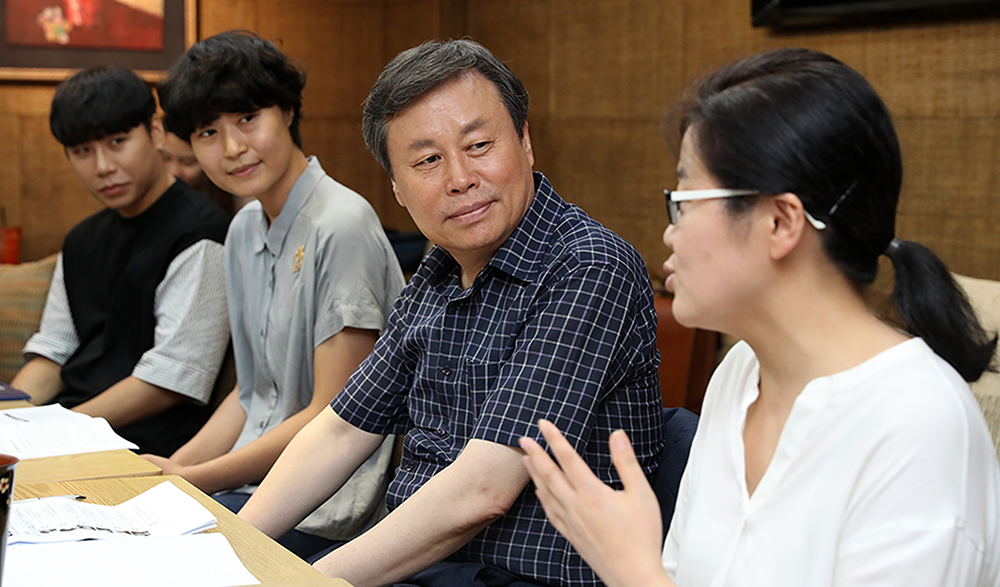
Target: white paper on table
x,y
199,560
163,510
48,431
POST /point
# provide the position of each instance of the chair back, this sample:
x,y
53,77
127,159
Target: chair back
x,y
679,426
687,358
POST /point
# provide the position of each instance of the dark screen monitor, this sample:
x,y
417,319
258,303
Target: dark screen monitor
x,y
790,13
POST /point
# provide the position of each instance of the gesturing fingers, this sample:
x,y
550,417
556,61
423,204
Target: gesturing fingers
x,y
626,463
578,474
550,483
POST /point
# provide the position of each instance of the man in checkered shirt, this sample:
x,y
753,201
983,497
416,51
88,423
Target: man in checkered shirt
x,y
526,308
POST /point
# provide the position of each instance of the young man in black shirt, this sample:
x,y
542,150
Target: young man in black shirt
x,y
135,324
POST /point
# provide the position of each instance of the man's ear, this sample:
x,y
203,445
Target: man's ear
x,y
395,191
788,224
526,143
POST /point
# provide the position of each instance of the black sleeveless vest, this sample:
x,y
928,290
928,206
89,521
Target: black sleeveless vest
x,y
112,266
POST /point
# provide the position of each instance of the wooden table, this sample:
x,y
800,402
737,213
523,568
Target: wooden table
x,y
263,557
91,465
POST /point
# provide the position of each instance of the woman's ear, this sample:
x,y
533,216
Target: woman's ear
x,y
788,224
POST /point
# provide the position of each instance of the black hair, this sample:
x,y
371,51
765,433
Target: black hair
x,y
231,72
419,70
802,122
98,102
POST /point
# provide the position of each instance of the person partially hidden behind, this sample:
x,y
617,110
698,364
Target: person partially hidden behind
x,y
183,164
135,325
527,308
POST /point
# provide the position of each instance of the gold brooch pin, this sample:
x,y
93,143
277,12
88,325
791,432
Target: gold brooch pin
x,y
298,258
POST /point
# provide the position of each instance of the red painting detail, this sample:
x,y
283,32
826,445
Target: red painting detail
x,y
98,24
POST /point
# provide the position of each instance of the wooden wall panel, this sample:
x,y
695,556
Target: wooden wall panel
x,y
10,171
40,192
950,200
517,32
340,44
718,32
17,103
409,23
53,200
615,59
937,70
454,19
346,159
216,16
25,100
616,171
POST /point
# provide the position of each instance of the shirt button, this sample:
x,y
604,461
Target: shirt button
x,y
446,370
408,467
441,432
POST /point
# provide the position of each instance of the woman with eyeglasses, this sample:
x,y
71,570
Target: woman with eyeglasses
x,y
833,449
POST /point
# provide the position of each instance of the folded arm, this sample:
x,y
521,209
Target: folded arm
x,y
189,304
334,360
441,517
39,378
444,514
50,347
216,437
130,400
317,462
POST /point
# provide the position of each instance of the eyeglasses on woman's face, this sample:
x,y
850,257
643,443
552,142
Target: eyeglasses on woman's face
x,y
675,197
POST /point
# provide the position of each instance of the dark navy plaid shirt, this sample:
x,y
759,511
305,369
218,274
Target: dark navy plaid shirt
x,y
559,325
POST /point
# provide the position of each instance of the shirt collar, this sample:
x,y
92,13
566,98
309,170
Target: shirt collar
x,y
273,237
522,254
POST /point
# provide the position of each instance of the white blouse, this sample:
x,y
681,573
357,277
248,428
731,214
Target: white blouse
x,y
884,474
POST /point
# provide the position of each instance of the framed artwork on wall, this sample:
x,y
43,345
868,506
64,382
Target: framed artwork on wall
x,y
793,13
46,40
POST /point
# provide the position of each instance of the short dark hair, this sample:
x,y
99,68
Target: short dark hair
x,y
416,71
98,102
231,72
802,122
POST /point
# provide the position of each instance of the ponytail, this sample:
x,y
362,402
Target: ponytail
x,y
829,139
936,309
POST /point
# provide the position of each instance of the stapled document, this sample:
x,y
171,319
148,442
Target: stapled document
x,y
163,510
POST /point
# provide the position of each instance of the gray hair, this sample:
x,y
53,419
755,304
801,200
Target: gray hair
x,y
416,71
